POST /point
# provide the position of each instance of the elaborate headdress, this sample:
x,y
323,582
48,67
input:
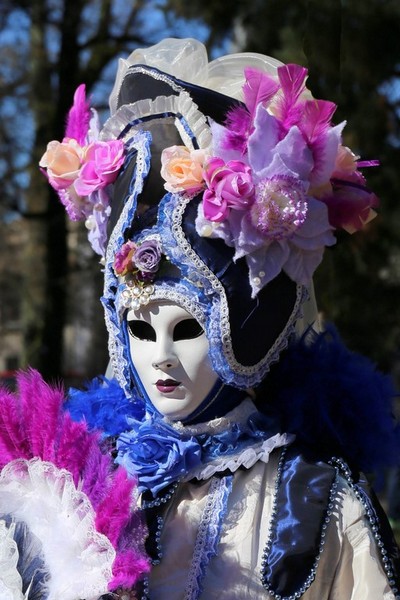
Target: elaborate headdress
x,y
228,182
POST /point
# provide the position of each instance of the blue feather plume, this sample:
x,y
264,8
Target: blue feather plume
x,y
104,406
335,401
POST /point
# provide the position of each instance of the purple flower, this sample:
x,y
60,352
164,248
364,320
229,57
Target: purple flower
x,y
157,455
350,205
147,257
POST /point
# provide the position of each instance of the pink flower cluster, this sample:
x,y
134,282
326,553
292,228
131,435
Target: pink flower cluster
x,y
82,170
81,167
280,180
141,260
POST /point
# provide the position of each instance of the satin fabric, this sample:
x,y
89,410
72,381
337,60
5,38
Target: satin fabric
x,y
349,567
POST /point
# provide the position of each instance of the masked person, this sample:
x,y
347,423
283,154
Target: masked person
x,y
212,192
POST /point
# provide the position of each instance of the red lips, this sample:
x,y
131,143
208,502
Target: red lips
x,y
167,385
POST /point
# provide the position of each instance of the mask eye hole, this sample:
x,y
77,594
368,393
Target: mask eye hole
x,y
188,329
141,330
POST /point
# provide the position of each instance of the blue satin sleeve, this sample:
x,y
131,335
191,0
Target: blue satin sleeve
x,y
304,496
301,506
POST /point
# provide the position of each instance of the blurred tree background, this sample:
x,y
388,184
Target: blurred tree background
x,y
48,47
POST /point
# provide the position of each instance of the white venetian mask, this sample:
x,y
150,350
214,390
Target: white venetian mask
x,y
169,351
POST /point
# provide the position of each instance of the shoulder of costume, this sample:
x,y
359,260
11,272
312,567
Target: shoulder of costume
x,y
299,522
339,406
335,400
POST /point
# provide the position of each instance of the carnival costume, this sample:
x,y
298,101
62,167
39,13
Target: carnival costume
x,y
216,187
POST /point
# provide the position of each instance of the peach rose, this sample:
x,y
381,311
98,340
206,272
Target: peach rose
x,y
346,160
63,161
182,169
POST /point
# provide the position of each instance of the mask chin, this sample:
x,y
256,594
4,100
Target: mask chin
x,y
219,401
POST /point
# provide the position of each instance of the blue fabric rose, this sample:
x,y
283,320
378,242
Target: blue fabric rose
x,y
157,455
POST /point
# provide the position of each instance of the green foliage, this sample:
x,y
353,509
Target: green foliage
x,y
352,50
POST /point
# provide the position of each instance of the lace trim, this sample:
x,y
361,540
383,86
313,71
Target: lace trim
x,y
10,579
208,535
116,344
133,114
219,332
46,499
155,74
245,458
239,415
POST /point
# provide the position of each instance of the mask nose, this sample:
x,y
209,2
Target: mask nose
x,y
167,363
164,356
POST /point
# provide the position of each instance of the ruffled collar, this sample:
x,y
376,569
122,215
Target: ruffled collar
x,y
237,416
160,452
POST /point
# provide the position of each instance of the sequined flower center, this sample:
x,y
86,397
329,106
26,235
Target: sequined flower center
x,y
280,207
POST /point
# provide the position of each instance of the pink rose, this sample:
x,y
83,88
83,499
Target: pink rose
x,y
62,160
102,163
230,186
123,258
182,169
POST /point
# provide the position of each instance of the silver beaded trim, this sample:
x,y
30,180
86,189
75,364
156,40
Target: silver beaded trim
x,y
345,471
140,143
219,325
159,501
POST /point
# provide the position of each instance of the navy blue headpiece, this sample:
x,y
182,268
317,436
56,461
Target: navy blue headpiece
x,y
246,334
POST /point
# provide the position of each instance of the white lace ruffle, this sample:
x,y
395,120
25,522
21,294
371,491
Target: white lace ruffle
x,y
10,579
176,105
78,558
238,416
246,458
187,59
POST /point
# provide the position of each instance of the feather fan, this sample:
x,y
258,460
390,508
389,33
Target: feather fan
x,y
58,480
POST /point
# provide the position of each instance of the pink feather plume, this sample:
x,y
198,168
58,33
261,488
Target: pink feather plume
x,y
128,567
316,118
113,516
34,424
79,117
292,79
73,446
258,88
42,403
13,440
